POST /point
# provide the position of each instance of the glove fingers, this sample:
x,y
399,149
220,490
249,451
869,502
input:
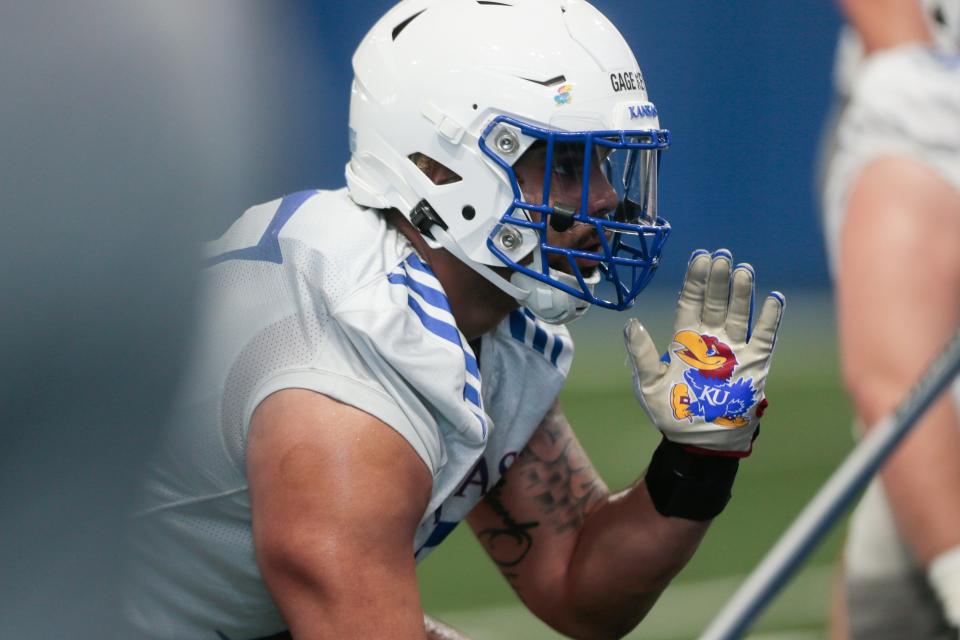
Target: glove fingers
x,y
718,290
643,354
741,303
765,333
690,304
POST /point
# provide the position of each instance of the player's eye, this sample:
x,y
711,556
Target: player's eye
x,y
568,161
567,168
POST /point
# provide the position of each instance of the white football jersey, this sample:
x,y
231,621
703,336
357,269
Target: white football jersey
x,y
314,292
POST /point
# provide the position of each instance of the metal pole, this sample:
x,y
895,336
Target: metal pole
x,y
831,501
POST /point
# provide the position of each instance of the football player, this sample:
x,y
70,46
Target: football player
x,y
892,220
379,363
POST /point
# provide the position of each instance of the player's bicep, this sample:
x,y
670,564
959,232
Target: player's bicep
x,y
529,522
336,496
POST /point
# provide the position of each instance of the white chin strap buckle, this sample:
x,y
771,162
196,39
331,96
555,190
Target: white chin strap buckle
x,y
549,303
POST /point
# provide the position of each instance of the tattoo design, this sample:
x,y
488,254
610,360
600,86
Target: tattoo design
x,y
508,545
555,471
555,467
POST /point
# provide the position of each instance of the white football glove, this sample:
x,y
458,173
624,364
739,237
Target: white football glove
x,y
706,393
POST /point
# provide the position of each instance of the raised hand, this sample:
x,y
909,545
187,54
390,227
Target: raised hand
x,y
706,391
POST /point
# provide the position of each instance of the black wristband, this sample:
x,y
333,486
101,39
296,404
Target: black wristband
x,y
689,485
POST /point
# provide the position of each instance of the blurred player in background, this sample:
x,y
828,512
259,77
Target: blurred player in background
x,y
892,221
376,364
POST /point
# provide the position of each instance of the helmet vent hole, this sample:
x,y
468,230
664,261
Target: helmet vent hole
x,y
437,172
547,83
474,106
468,212
403,25
494,4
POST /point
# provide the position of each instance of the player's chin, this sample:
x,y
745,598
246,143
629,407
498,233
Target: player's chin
x,y
587,267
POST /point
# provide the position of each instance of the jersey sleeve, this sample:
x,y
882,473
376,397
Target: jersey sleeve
x,y
273,285
342,373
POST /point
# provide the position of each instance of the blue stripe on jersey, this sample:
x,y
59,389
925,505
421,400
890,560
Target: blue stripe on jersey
x,y
471,394
437,327
555,352
414,261
518,325
539,339
430,295
472,366
449,332
520,320
268,247
483,423
441,531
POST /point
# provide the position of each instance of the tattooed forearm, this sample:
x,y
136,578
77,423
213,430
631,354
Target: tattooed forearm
x,y
561,486
557,473
531,522
510,543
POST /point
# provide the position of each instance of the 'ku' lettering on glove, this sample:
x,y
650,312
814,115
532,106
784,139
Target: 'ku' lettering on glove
x,y
706,391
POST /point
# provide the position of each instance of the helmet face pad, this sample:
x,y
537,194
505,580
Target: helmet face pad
x,y
629,236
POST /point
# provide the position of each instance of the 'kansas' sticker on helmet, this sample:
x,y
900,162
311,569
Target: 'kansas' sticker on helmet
x,y
642,111
627,81
708,390
564,94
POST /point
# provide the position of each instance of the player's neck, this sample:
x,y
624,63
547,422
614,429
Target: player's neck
x,y
477,304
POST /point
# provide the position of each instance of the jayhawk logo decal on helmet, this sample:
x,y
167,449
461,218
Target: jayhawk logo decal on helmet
x,y
707,391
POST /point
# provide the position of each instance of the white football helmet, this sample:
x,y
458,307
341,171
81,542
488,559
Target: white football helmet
x,y
473,85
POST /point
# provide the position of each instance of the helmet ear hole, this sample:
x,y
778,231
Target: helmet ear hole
x,y
468,212
438,173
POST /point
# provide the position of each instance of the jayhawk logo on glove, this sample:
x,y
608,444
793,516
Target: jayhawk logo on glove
x,y
707,391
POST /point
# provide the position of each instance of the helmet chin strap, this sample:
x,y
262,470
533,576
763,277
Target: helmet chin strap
x,y
548,303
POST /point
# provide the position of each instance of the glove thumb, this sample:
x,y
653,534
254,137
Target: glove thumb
x,y
643,354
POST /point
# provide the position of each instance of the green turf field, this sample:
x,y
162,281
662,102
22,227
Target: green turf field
x,y
805,435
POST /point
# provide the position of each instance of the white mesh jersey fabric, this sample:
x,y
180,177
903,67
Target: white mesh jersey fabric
x,y
313,292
